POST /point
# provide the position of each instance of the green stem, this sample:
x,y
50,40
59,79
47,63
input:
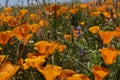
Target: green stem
x,y
44,2
78,63
53,62
32,75
118,69
20,50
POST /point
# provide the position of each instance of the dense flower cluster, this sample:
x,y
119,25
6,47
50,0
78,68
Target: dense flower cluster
x,y
61,42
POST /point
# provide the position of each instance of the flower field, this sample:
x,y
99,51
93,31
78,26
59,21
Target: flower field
x,y
68,41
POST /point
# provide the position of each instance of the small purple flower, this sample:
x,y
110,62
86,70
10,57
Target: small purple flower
x,y
79,29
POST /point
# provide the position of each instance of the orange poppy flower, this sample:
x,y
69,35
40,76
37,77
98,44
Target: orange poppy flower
x,y
83,6
107,14
61,48
35,62
39,11
82,23
117,32
64,9
11,20
101,8
66,73
78,77
106,36
50,72
6,18
34,27
33,16
54,46
20,61
27,38
43,47
23,12
32,55
22,33
8,9
109,2
5,36
94,29
54,7
2,16
99,72
48,10
25,66
74,10
58,13
67,36
35,55
109,55
43,23
7,70
67,16
94,13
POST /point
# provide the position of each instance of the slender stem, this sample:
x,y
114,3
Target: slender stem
x,y
44,2
32,75
53,62
20,50
78,63
118,69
